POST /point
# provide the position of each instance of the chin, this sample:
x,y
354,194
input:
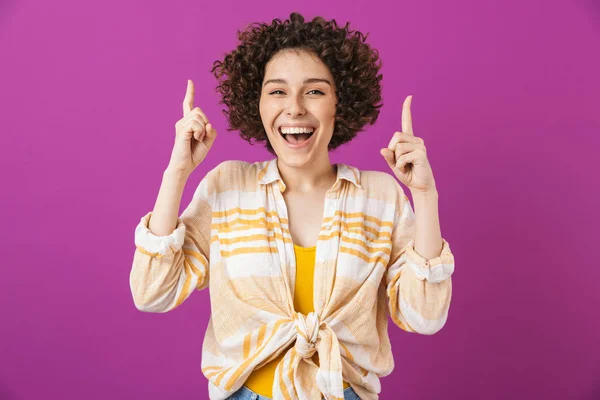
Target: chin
x,y
295,160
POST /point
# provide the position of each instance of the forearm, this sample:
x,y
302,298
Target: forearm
x,y
428,236
166,209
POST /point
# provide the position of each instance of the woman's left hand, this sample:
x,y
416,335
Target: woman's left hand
x,y
407,157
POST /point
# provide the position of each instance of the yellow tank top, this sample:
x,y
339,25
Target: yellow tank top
x,y
261,380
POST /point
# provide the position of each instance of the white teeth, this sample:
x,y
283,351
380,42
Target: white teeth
x,y
295,131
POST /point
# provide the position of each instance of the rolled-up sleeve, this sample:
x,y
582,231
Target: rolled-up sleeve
x,y
419,290
167,269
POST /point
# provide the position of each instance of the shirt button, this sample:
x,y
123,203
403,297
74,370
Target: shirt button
x,y
322,260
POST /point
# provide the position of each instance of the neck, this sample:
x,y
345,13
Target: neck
x,y
308,177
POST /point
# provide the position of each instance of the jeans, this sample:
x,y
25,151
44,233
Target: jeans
x,y
244,393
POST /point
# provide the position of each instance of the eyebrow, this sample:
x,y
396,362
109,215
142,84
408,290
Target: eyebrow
x,y
309,80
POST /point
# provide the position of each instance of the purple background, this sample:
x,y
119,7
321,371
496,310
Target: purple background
x,y
505,97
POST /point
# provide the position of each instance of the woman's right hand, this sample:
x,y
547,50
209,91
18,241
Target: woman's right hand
x,y
194,136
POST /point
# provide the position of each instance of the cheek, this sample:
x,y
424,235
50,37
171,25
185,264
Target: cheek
x,y
329,110
330,116
268,109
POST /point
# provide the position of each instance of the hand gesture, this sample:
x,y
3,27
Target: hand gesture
x,y
407,157
194,136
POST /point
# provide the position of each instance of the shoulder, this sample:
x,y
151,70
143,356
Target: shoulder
x,y
234,174
380,183
384,191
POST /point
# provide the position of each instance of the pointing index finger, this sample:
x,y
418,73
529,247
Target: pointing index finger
x,y
406,116
188,101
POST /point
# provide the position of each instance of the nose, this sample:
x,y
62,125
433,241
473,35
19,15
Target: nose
x,y
295,107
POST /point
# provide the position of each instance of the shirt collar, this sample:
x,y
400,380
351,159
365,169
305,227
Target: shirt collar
x,y
269,172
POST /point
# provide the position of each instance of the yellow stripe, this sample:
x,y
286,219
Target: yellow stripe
x,y
344,238
273,214
263,172
211,374
261,335
355,227
201,276
186,285
244,211
217,370
221,375
248,250
197,256
144,251
301,334
291,371
228,226
248,211
394,305
245,364
276,235
251,238
349,355
357,253
273,249
364,245
247,341
282,385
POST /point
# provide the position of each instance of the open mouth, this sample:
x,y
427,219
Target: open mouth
x,y
296,138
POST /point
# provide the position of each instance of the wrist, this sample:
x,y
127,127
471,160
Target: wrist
x,y
177,174
425,195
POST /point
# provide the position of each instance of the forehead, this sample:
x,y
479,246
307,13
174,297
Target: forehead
x,y
295,66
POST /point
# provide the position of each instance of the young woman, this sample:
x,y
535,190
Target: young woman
x,y
304,259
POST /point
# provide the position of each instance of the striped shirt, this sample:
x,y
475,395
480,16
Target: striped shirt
x,y
234,238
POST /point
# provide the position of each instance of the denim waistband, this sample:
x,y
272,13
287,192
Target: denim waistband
x,y
244,393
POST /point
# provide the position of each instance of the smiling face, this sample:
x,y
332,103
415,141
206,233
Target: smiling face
x,y
298,90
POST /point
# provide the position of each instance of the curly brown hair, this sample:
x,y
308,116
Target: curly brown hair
x,y
352,62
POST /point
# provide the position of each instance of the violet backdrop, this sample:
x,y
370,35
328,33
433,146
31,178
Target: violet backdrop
x,y
505,95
